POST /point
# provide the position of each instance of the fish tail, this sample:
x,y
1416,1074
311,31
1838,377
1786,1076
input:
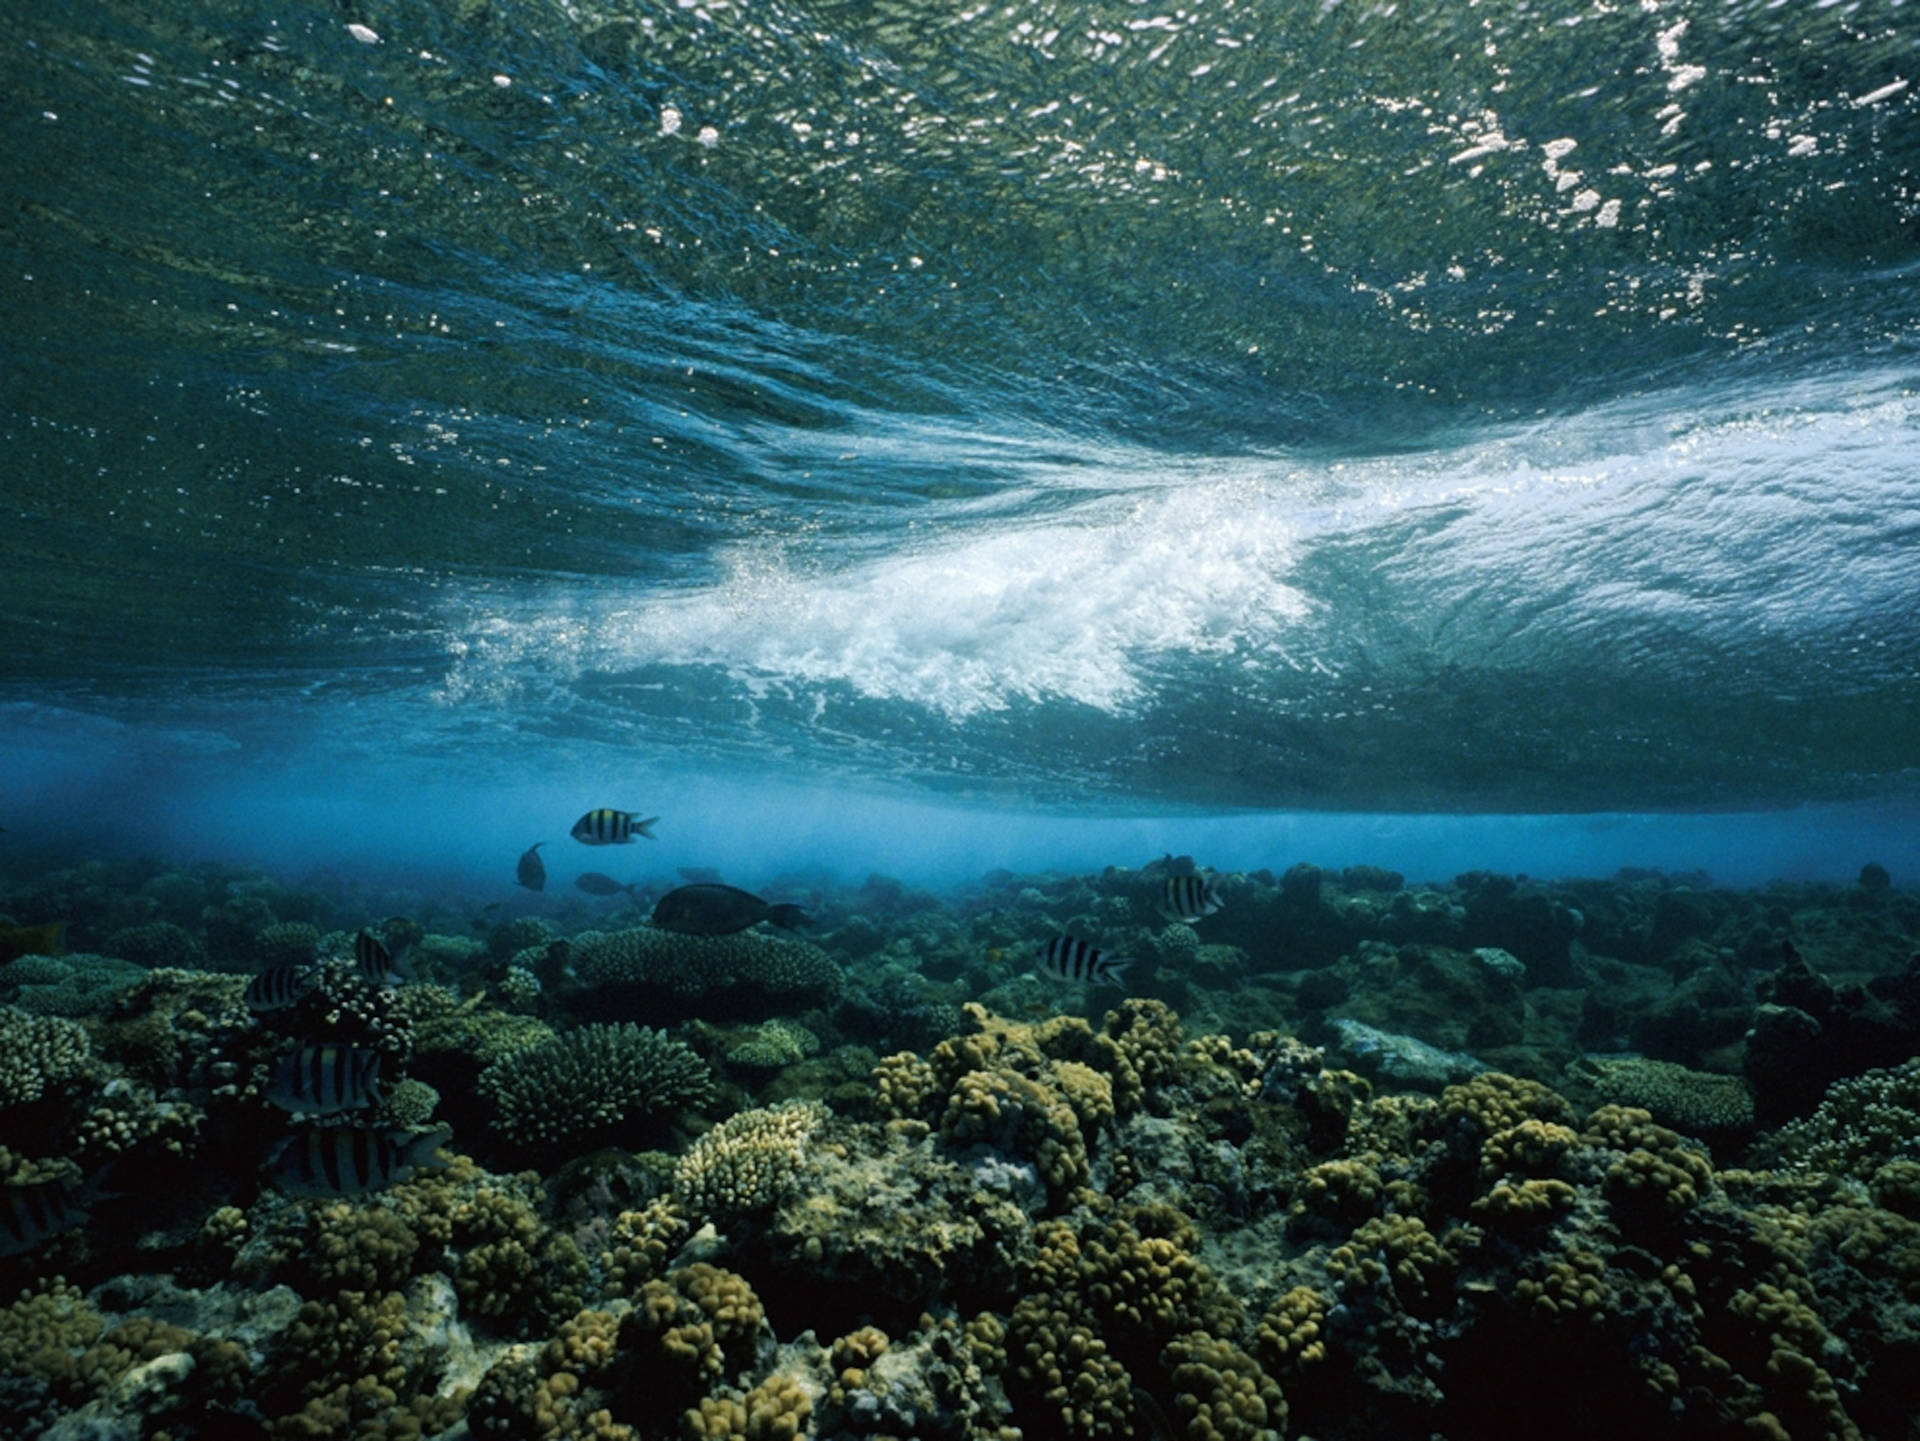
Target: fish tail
x,y
645,828
788,916
1114,971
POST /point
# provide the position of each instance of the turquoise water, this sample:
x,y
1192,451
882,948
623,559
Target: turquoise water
x,y
1072,431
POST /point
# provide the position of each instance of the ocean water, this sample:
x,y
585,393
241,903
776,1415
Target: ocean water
x,y
925,437
1445,472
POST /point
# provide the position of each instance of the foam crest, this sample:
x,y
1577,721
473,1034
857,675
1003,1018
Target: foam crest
x,y
1066,611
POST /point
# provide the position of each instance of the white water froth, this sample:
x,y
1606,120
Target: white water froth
x,y
1747,522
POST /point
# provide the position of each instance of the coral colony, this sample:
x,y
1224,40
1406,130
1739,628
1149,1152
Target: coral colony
x,y
1340,1157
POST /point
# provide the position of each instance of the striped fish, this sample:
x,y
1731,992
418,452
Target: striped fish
x,y
30,1214
326,1080
278,987
376,963
1075,960
1188,898
350,1160
611,828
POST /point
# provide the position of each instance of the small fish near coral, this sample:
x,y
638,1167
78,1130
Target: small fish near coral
x,y
712,909
1072,959
376,964
605,827
325,1080
1187,898
352,1160
278,987
532,871
595,884
44,940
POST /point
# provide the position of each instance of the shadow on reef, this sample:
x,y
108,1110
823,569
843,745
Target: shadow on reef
x,y
1484,1160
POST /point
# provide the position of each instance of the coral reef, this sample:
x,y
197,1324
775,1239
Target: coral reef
x,y
924,1216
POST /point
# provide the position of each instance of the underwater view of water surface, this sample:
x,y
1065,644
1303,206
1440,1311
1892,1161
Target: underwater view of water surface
x,y
1072,719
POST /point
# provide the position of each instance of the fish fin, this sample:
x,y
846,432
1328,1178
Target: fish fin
x,y
645,828
422,1152
787,916
1113,969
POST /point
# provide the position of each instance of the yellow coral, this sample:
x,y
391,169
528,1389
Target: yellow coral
x,y
1292,1335
745,1164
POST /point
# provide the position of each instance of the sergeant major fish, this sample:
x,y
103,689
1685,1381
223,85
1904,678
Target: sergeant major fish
x,y
711,909
606,827
532,871
325,1080
1074,960
1188,898
376,964
278,987
351,1160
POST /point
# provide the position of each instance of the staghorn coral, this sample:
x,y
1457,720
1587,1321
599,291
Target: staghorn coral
x,y
744,1165
37,1053
591,1087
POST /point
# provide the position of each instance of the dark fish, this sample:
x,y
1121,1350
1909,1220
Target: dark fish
x,y
375,962
611,828
1188,898
350,1160
30,1214
327,1079
595,884
278,987
46,940
532,871
1075,960
710,909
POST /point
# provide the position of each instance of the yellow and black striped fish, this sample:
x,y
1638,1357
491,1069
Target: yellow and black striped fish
x,y
611,828
30,1214
326,1080
1075,960
1188,898
349,1160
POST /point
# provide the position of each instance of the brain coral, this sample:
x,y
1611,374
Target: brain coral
x,y
591,1085
690,967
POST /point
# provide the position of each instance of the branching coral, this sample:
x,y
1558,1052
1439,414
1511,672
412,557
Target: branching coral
x,y
743,1166
592,1086
37,1052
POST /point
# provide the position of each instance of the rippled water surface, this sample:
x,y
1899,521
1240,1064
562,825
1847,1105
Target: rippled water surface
x,y
1359,407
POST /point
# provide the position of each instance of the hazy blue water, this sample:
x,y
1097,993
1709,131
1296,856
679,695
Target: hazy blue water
x,y
866,431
